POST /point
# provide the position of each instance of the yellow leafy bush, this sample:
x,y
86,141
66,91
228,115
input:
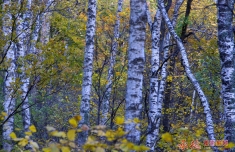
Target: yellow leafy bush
x,y
100,139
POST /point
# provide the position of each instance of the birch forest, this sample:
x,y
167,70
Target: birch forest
x,y
117,76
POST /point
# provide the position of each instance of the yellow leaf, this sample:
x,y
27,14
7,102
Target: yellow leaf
x,y
117,73
34,144
169,78
17,129
46,150
71,134
54,147
49,128
26,137
100,133
136,120
120,132
32,128
3,113
72,144
23,142
28,133
100,127
17,139
198,133
230,145
99,149
13,135
143,148
58,134
167,137
65,149
63,141
119,120
73,122
110,135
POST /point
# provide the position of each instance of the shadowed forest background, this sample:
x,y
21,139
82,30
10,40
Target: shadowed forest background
x,y
116,75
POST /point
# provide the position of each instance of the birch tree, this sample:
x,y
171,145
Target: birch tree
x,y
112,61
87,69
23,44
226,50
9,99
136,63
35,34
154,106
45,23
157,86
185,62
171,68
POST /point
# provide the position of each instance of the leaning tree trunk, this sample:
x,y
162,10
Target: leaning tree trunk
x,y
136,63
23,32
167,100
112,60
87,69
227,52
9,100
157,87
185,62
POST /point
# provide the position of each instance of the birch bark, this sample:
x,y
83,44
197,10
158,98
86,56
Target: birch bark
x,y
9,99
204,101
136,63
45,24
35,35
157,86
154,106
87,69
112,61
167,100
23,44
227,52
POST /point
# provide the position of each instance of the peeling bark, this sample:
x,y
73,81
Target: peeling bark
x,y
136,63
87,69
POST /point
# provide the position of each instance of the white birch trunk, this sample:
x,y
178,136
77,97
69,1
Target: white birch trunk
x,y
87,69
9,102
154,107
35,35
192,105
136,63
185,62
45,24
23,32
156,88
227,52
9,98
112,61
